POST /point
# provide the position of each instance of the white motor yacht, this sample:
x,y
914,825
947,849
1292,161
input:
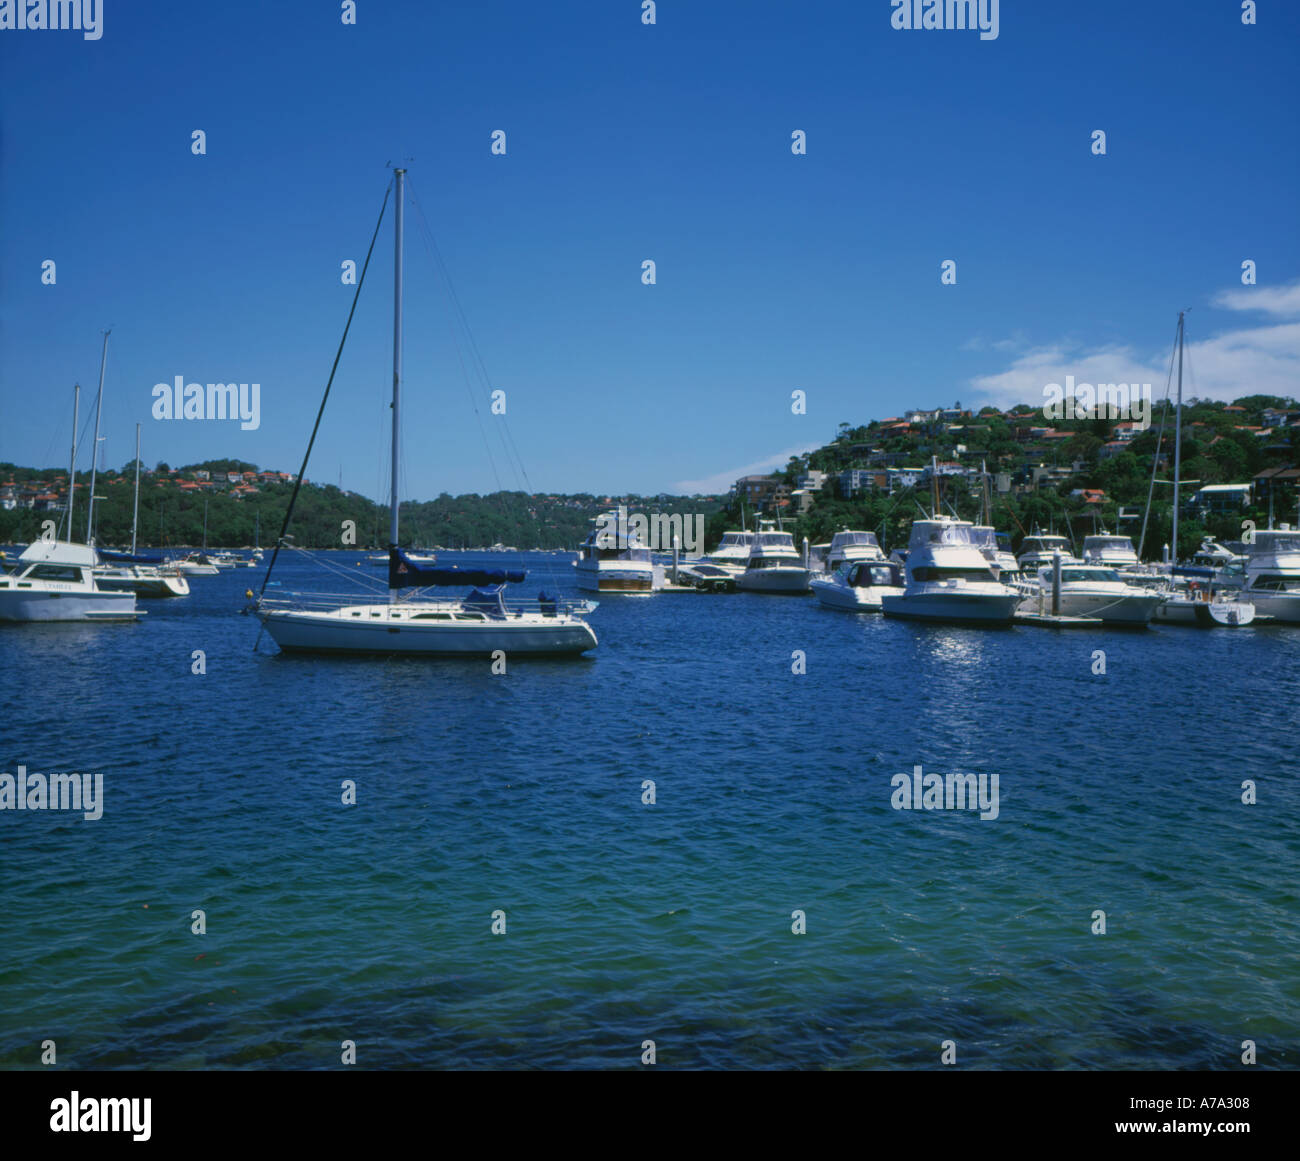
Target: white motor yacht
x,y
1273,573
849,547
859,587
948,578
732,552
1002,561
1038,550
614,562
54,580
196,564
1109,550
1093,590
774,565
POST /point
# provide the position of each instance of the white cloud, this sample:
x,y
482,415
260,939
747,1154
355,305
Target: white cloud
x,y
722,481
1282,301
1262,360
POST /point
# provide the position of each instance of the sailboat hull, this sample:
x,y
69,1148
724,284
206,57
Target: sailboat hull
x,y
373,630
143,582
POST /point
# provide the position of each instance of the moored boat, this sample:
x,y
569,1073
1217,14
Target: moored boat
x,y
859,587
774,565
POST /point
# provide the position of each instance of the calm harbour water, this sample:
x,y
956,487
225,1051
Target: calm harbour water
x,y
672,922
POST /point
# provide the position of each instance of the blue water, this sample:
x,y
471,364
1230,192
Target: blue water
x,y
672,922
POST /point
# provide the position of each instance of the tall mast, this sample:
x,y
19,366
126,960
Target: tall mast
x,y
72,471
400,175
94,448
135,511
1178,443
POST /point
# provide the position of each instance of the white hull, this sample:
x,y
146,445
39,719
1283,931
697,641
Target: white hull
x,y
852,600
1119,610
388,629
45,605
774,580
197,569
953,605
1176,611
1280,606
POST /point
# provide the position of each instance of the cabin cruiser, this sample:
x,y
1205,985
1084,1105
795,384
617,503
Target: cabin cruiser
x,y
849,547
1273,573
614,562
732,552
1227,568
1001,560
54,580
1109,551
858,587
1093,590
709,578
1039,549
774,565
196,564
948,578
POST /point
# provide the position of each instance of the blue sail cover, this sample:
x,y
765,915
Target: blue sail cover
x,y
127,558
403,573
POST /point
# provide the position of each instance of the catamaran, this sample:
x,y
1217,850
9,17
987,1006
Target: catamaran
x,y
54,580
144,575
478,625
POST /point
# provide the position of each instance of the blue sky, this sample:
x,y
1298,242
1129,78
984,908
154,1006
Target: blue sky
x,y
628,142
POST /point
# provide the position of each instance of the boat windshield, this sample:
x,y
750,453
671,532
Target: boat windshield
x,y
1121,542
865,575
1087,575
948,534
736,539
851,539
780,541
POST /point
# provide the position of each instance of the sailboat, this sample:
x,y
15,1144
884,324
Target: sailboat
x,y
146,576
1197,605
480,624
54,580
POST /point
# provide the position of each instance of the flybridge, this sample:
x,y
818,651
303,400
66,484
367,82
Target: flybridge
x,y
947,14
86,16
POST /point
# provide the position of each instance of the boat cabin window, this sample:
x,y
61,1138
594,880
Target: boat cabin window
x,y
1275,543
1276,582
926,572
54,572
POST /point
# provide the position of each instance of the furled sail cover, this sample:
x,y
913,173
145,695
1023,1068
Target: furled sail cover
x,y
403,573
127,558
